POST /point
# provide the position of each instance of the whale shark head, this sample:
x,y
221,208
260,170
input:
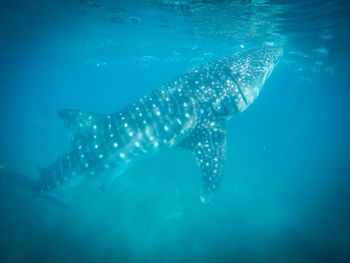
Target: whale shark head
x,y
223,87
229,85
248,71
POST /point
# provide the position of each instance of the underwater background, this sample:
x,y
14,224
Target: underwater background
x,y
285,195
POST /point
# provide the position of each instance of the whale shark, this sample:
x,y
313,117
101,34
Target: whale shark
x,y
187,113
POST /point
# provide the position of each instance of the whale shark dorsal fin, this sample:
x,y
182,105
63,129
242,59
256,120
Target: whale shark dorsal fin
x,y
81,125
208,144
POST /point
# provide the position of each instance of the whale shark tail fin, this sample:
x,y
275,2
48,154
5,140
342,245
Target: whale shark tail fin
x,y
56,199
17,180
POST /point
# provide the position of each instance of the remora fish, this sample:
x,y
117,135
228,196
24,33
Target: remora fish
x,y
188,113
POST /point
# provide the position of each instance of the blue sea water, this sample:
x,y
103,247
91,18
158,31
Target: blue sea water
x,y
285,195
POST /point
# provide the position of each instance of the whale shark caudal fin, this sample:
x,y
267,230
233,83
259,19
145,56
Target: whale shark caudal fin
x,y
18,180
208,145
27,183
56,199
81,125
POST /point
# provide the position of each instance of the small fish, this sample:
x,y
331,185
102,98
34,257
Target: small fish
x,y
174,215
123,192
149,225
102,187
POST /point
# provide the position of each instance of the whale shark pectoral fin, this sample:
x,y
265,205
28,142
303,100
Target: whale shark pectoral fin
x,y
208,144
81,125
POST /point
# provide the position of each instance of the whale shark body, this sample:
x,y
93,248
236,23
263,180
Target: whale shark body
x,y
187,113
